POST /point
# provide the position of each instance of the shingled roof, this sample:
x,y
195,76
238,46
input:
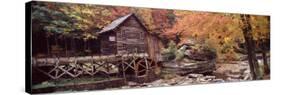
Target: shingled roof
x,y
115,23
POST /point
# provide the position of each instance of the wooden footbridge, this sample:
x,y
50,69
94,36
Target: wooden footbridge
x,y
124,66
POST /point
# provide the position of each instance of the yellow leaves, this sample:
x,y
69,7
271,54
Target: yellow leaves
x,y
146,16
99,26
260,27
194,34
182,13
105,12
86,11
227,40
218,31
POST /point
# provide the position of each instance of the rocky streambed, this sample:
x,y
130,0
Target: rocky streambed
x,y
179,80
231,72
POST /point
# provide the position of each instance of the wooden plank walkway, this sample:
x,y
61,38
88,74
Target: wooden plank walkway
x,y
56,68
83,59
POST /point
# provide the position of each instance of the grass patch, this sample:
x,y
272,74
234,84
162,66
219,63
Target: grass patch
x,y
67,82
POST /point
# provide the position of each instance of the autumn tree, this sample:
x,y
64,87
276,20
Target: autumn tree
x,y
163,19
216,30
120,11
70,20
261,34
250,44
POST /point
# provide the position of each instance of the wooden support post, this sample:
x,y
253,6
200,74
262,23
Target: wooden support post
x,y
123,70
135,67
147,66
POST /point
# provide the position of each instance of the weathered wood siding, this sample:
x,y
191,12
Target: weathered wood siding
x,y
108,46
153,47
131,37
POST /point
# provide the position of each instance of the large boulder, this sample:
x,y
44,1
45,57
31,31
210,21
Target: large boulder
x,y
187,67
191,58
200,53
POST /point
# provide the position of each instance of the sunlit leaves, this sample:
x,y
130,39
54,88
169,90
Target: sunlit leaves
x,y
68,18
261,27
220,31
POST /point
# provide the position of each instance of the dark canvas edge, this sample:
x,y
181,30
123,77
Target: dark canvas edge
x,y
28,79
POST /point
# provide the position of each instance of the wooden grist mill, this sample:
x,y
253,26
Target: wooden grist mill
x,y
126,51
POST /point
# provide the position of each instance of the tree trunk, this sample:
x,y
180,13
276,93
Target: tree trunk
x,y
73,47
65,43
48,46
265,64
56,39
85,45
250,44
177,39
